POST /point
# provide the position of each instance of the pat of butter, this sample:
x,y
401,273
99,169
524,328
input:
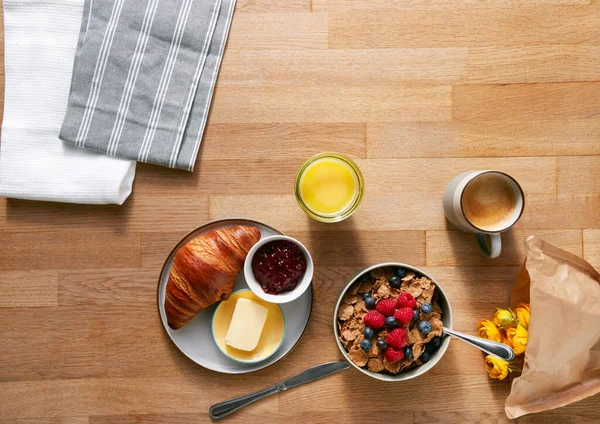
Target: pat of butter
x,y
246,325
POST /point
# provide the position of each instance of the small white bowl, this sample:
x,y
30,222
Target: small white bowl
x,y
284,297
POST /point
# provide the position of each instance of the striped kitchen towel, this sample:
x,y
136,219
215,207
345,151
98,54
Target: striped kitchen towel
x,y
144,78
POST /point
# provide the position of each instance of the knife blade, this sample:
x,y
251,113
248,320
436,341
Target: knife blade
x,y
313,373
220,410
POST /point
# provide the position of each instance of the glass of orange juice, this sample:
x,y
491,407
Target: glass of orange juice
x,y
329,187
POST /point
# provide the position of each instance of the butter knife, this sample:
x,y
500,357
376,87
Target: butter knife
x,y
223,409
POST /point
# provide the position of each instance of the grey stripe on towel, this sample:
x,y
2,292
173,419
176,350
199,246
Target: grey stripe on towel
x,y
144,78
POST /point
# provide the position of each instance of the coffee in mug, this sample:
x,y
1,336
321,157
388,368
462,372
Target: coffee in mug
x,y
485,203
489,202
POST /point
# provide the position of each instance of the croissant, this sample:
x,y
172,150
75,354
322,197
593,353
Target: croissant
x,y
204,271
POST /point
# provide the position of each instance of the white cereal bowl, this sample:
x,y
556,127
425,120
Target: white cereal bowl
x,y
446,320
284,297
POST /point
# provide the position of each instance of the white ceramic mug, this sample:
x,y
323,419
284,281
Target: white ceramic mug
x,y
488,236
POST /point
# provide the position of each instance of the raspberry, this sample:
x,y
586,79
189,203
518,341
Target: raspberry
x,y
396,338
406,300
374,320
404,315
393,355
386,307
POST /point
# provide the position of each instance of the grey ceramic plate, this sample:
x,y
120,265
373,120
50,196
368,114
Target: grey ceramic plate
x,y
195,339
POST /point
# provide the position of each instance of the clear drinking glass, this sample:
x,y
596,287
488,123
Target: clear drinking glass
x,y
352,205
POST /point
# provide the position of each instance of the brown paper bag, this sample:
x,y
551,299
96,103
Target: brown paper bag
x,y
562,359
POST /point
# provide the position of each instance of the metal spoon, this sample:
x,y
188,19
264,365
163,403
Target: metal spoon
x,y
499,350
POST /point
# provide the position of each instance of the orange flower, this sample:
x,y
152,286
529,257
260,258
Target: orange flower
x,y
504,337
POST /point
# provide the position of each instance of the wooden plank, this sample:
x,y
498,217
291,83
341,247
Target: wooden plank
x,y
122,396
344,67
283,213
591,247
533,64
107,287
251,415
395,5
251,104
46,343
572,100
562,211
470,27
423,417
578,174
262,176
68,250
156,247
477,394
48,420
28,288
455,248
542,211
343,248
427,176
484,138
487,284
278,31
254,176
281,141
253,6
140,213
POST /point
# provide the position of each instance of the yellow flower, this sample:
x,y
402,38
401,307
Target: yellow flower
x,y
520,340
503,317
517,338
523,313
488,330
496,368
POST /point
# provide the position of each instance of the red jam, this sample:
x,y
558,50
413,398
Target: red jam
x,y
278,266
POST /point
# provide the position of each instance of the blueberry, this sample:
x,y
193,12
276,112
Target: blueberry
x,y
368,333
370,302
430,348
365,295
391,322
416,314
424,327
426,308
381,344
401,272
436,341
395,281
424,357
365,345
365,278
408,352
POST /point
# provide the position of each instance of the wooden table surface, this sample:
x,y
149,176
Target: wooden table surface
x,y
416,91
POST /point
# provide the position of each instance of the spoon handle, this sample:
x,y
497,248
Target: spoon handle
x,y
496,349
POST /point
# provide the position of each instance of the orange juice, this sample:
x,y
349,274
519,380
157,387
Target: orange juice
x,y
329,186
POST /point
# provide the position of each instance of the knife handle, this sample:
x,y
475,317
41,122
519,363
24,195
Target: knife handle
x,y
220,410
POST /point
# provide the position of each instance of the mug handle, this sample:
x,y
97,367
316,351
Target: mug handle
x,y
492,249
